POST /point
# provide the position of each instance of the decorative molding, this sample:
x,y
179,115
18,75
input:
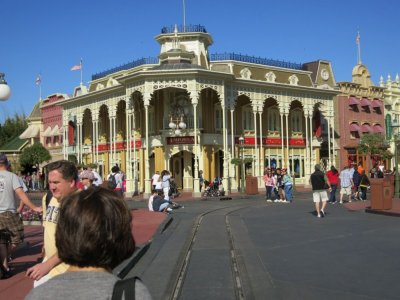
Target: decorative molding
x,y
245,73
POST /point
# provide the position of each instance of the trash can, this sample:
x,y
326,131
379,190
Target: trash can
x,y
382,192
251,185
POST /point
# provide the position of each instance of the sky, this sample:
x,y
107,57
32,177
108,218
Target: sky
x,y
48,37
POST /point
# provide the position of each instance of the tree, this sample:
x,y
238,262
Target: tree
x,y
34,155
12,128
374,144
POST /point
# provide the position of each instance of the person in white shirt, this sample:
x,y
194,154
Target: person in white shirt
x,y
98,181
155,179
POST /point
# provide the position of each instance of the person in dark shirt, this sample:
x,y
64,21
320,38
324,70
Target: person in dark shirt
x,y
320,183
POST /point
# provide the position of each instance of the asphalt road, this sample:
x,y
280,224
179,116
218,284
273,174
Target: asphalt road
x,y
280,251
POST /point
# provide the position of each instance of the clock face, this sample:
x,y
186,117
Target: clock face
x,y
324,74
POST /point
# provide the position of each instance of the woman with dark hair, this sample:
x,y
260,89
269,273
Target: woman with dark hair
x,y
93,236
333,177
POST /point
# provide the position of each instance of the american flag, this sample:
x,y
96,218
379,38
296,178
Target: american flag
x,y
76,67
38,80
358,38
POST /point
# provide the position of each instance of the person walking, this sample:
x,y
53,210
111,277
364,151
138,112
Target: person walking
x,y
319,183
165,179
346,184
364,184
154,179
333,178
11,226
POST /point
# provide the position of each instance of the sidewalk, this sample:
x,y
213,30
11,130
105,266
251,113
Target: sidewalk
x,y
145,224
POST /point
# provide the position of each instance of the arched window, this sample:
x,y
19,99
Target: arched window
x,y
273,120
296,120
247,116
218,117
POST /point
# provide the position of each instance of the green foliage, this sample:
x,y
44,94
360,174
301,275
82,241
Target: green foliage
x,y
238,161
34,155
374,144
12,127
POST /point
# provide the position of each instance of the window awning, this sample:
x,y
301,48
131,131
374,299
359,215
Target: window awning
x,y
354,101
378,129
366,128
354,127
31,132
377,104
365,102
55,131
47,132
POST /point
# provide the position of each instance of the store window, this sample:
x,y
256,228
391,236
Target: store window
x,y
248,120
274,120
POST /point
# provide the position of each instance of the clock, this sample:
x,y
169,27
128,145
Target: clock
x,y
324,74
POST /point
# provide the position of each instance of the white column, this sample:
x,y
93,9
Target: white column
x,y
196,183
282,137
333,143
307,157
225,147
260,157
232,135
110,142
255,143
311,139
147,186
79,139
93,154
115,139
135,175
329,142
287,141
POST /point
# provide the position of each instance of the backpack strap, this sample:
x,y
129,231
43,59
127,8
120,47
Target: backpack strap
x,y
126,288
49,195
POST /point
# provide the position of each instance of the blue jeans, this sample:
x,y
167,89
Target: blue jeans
x,y
332,195
269,191
288,192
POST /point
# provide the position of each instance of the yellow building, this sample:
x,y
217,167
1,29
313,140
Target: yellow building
x,y
186,110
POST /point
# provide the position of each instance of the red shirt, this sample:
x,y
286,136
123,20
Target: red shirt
x,y
333,178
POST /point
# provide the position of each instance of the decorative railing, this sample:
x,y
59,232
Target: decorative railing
x,y
127,66
187,28
256,60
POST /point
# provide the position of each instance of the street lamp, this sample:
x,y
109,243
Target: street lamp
x,y
14,160
396,174
5,91
241,142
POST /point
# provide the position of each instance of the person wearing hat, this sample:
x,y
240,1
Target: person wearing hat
x,y
87,178
10,222
320,183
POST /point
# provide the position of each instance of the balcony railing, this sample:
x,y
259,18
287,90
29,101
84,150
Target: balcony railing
x,y
256,60
127,66
181,28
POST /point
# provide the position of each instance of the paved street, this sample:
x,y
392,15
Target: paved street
x,y
280,251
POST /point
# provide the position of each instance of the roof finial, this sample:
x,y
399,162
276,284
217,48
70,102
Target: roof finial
x,y
176,39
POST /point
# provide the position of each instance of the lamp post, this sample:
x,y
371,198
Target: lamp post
x,y
15,163
241,142
5,91
396,174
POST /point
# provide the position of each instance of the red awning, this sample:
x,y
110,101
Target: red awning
x,y
354,101
376,104
366,128
365,102
378,129
354,127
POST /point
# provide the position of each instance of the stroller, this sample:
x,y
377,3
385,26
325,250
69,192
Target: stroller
x,y
212,188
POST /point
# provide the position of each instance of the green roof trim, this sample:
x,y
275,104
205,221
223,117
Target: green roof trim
x,y
15,145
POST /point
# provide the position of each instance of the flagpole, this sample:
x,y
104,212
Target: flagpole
x,y
81,73
358,48
40,90
184,15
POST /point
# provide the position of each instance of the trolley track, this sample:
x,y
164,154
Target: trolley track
x,y
236,272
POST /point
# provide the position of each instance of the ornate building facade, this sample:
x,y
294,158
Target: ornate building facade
x,y
359,109
186,110
391,99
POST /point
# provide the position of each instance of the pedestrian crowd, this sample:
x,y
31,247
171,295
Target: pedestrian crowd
x,y
278,185
163,191
87,233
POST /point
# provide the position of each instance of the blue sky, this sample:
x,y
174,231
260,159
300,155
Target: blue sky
x,y
49,37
